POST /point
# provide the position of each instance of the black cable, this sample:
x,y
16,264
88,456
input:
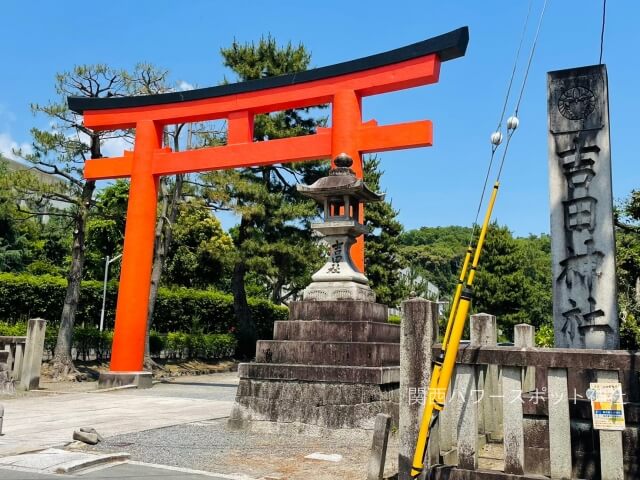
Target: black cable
x,y
524,83
515,65
604,16
504,109
533,50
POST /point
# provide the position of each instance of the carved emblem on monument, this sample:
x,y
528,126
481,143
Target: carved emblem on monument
x,y
576,103
583,246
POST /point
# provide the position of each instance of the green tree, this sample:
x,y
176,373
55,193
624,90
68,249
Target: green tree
x,y
200,252
61,152
514,279
436,254
514,274
273,238
627,221
15,241
383,261
105,229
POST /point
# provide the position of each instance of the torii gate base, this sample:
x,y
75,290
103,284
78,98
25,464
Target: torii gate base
x,y
342,85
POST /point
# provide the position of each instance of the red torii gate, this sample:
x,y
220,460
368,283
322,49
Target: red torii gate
x,y
342,85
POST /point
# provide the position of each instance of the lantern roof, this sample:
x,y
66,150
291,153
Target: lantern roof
x,y
341,181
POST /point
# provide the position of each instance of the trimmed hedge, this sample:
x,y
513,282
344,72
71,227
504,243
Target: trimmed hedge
x,y
395,319
89,343
181,309
184,345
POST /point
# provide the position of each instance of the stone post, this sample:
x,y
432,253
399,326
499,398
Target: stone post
x,y
34,348
379,447
582,237
418,332
559,424
611,452
484,332
467,447
524,336
513,420
6,383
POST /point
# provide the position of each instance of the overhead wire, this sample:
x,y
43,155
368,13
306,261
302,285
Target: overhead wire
x,y
443,365
494,146
604,19
522,88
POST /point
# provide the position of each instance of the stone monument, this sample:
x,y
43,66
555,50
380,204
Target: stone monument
x,y
582,235
336,362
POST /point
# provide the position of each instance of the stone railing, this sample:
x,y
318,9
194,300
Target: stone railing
x,y
21,358
522,411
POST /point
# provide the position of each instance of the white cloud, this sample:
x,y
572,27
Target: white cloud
x,y
8,145
115,147
110,147
182,86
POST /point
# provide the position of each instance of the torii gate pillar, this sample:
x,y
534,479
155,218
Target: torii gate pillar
x,y
346,120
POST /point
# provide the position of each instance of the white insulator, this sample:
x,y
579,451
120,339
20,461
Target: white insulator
x,y
496,138
512,123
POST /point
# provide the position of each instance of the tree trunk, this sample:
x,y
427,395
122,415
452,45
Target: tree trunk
x,y
246,333
638,290
168,215
62,363
164,236
276,294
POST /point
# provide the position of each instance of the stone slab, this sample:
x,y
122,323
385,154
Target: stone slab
x,y
368,354
320,373
339,310
375,468
336,331
54,460
122,379
34,348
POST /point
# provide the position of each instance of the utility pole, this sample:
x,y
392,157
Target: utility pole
x,y
108,261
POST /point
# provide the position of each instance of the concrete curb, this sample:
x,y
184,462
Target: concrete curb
x,y
78,465
234,476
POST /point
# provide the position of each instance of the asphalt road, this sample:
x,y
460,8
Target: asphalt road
x,y
123,471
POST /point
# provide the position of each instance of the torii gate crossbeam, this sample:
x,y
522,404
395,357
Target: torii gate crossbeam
x,y
342,85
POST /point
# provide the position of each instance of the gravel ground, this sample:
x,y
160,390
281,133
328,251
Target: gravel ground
x,y
210,446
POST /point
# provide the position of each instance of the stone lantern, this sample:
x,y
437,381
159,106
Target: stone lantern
x,y
335,363
342,194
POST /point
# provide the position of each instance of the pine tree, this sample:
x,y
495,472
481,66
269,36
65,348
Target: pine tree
x,y
383,262
61,152
273,240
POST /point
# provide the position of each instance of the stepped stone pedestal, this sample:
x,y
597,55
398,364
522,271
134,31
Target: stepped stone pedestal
x,y
333,364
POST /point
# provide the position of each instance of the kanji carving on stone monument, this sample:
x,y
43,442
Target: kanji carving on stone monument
x,y
583,246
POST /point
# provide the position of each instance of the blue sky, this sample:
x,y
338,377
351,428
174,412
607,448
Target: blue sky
x,y
431,186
